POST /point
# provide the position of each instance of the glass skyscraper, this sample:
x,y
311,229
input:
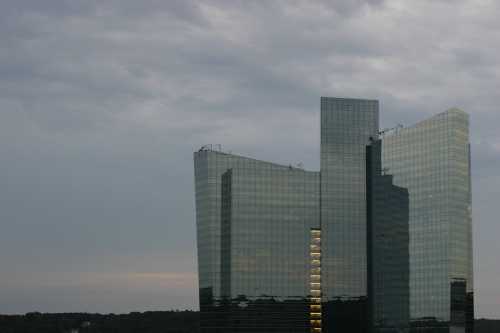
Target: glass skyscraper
x,y
346,128
281,249
432,160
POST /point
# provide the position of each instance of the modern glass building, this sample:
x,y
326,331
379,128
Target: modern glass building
x,y
346,128
254,221
281,249
432,160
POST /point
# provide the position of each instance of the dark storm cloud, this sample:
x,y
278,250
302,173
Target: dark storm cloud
x,y
103,102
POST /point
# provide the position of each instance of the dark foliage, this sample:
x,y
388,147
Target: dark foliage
x,y
135,322
486,326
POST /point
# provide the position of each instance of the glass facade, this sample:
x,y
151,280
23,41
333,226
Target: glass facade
x,y
380,237
388,245
346,128
431,159
258,218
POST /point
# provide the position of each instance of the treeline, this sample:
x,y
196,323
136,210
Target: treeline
x,y
134,322
486,326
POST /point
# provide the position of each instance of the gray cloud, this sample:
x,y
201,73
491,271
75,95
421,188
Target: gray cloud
x,y
103,102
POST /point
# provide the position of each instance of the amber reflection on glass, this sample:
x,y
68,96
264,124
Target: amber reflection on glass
x,y
315,278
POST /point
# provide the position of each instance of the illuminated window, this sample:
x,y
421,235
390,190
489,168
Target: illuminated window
x,y
315,281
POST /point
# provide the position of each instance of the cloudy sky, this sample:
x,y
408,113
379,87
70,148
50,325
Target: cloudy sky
x,y
103,102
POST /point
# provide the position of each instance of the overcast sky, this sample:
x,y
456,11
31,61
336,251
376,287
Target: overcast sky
x,y
102,104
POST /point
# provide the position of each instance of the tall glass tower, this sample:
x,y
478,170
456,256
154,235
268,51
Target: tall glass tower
x,y
346,128
432,160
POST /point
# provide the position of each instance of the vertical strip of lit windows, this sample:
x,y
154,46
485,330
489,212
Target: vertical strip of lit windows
x,y
315,280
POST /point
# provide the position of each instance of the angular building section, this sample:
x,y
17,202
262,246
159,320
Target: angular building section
x,y
388,244
381,236
431,159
